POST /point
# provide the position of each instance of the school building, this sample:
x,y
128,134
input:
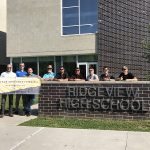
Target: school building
x,y
79,33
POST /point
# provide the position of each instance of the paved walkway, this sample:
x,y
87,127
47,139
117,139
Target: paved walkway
x,y
13,137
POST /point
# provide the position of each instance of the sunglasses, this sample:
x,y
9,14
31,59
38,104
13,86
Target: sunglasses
x,y
49,68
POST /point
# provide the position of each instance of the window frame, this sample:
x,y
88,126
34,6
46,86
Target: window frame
x,y
74,25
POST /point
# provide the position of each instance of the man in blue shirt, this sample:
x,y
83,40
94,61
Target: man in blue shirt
x,y
20,73
49,75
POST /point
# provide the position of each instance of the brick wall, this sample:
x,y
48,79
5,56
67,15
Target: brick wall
x,y
123,25
64,100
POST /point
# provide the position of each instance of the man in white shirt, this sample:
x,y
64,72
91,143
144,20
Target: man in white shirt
x,y
92,76
8,74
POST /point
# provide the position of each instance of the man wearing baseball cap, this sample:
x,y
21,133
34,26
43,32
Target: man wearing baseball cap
x,y
49,76
126,74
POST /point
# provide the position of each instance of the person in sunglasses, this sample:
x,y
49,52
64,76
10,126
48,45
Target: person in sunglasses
x,y
77,76
62,75
50,75
126,74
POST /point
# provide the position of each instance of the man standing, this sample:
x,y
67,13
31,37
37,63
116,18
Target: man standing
x,y
20,73
8,74
29,97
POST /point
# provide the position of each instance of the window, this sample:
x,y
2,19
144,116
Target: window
x,y
69,63
30,62
70,17
87,58
16,62
58,62
79,16
43,63
39,64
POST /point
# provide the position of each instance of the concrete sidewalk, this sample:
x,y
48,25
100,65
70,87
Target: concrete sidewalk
x,y
15,137
17,119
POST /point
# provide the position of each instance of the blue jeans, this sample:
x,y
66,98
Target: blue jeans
x,y
28,103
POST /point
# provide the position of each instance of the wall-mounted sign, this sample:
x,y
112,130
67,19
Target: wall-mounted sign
x,y
102,98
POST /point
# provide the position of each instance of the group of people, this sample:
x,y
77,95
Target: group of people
x,y
77,76
27,99
62,75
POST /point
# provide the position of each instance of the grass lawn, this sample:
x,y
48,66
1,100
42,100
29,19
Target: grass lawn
x,y
103,124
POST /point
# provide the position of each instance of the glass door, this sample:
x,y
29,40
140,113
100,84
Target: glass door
x,y
84,68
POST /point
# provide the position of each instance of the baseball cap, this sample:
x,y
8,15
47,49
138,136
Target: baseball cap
x,y
49,67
